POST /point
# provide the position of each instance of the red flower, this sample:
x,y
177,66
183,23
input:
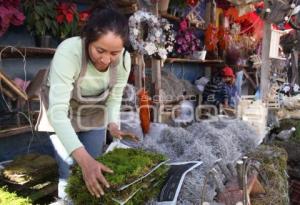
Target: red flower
x,y
83,16
66,12
69,17
60,18
192,2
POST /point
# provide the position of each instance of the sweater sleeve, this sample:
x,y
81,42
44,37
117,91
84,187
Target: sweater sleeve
x,y
113,102
64,69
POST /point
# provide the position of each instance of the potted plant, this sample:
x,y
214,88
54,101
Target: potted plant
x,y
10,14
67,19
41,20
186,40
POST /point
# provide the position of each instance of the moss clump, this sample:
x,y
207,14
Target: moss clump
x,y
31,169
273,167
32,176
8,198
128,165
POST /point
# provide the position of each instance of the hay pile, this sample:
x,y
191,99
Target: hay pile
x,y
128,166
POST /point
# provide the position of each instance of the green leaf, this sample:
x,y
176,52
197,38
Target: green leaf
x,y
37,17
39,10
40,28
47,22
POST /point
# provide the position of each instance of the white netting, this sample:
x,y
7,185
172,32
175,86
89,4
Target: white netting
x,y
172,87
206,141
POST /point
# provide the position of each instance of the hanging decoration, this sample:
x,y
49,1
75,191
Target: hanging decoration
x,y
194,15
211,38
159,35
223,36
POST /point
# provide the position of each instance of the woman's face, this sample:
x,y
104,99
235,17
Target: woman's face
x,y
105,50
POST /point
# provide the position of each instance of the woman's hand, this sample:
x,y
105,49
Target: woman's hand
x,y
92,172
116,132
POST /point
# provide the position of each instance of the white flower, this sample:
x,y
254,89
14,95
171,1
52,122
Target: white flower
x,y
158,33
167,27
152,38
150,48
162,53
154,19
146,15
135,31
169,48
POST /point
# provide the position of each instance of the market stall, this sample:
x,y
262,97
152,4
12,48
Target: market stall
x,y
212,91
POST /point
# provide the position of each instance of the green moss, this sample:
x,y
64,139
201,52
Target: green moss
x,y
27,169
273,167
8,198
128,165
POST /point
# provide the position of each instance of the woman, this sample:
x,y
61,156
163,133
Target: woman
x,y
82,95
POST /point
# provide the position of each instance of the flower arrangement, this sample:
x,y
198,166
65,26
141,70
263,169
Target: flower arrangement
x,y
160,36
186,40
10,14
67,18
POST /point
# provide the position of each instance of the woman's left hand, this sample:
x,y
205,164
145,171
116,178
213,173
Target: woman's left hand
x,y
116,132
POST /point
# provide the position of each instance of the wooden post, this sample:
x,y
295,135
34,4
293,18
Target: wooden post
x,y
156,78
266,64
137,72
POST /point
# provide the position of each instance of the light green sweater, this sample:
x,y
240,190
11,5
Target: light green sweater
x,y
65,69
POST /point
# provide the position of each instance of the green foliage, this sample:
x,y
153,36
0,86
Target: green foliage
x,y
7,198
41,17
128,165
181,4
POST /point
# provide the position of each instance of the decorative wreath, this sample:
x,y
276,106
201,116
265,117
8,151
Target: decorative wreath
x,y
159,39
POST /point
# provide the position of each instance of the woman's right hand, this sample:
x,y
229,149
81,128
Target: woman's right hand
x,y
92,172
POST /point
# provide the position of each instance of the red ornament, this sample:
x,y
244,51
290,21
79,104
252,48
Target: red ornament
x,y
211,38
192,2
223,36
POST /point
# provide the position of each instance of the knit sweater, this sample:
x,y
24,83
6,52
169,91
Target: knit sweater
x,y
64,70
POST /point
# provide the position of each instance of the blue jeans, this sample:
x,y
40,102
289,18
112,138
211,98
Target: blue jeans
x,y
93,142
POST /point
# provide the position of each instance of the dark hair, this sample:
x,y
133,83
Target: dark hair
x,y
104,20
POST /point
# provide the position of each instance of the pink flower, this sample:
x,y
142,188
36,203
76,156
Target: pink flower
x,y
9,14
183,25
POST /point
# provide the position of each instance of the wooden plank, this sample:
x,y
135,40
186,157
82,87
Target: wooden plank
x,y
8,93
6,80
14,131
266,65
37,52
187,60
252,83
